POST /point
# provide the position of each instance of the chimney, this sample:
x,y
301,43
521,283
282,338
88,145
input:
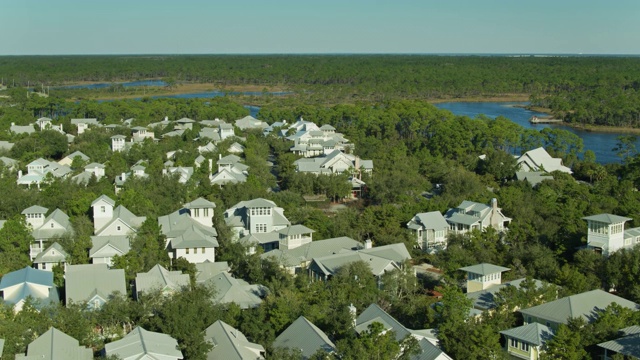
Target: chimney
x,y
13,124
62,131
123,177
166,118
164,171
219,156
19,174
368,244
494,204
353,313
210,165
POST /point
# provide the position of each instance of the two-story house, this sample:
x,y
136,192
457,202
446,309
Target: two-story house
x,y
606,233
471,215
230,170
93,284
44,229
430,230
255,216
17,286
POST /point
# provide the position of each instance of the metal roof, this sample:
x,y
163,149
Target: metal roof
x,y
304,335
607,218
230,344
141,343
534,333
484,269
54,344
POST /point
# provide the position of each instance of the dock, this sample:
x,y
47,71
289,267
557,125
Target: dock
x,y
537,120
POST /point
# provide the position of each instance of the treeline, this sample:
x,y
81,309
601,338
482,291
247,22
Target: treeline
x,y
586,90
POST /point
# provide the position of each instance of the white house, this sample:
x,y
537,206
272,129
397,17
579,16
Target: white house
x,y
17,285
50,257
83,124
160,279
230,170
38,169
255,216
606,233
540,160
44,229
483,276
118,143
335,162
67,160
471,215
93,284
105,248
430,230
108,221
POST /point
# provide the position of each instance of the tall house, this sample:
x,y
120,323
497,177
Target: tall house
x,y
295,236
118,142
34,215
201,210
102,212
483,276
606,232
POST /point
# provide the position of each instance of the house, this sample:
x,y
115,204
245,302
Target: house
x,y
140,133
210,147
105,248
230,170
159,278
184,124
108,221
584,305
430,230
137,170
19,129
93,284
335,162
628,344
225,130
230,344
18,285
39,169
9,163
293,260
249,122
294,236
483,276
210,133
182,173
207,270
83,124
380,259
231,290
470,215
255,216
118,143
143,344
606,233
310,140
540,160
188,232
5,145
276,125
68,160
91,170
426,337
44,123
527,341
486,299
533,177
302,334
50,257
44,229
236,148
53,345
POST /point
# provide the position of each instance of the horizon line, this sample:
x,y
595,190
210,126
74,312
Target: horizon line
x,y
510,54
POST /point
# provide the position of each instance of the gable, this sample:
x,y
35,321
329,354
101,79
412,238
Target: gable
x,y
112,228
107,251
52,224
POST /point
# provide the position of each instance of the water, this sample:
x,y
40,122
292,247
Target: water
x,y
600,143
125,84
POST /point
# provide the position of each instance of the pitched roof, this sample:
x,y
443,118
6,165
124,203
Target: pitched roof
x,y
120,243
30,282
583,305
53,345
375,314
607,218
200,203
230,344
534,333
232,290
160,278
314,249
48,256
77,153
628,344
484,269
192,237
35,209
304,335
144,344
84,280
432,220
429,351
207,270
295,230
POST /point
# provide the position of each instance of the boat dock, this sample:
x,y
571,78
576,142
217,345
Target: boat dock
x,y
537,120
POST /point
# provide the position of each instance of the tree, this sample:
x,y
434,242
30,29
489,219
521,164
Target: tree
x,y
626,147
15,239
565,345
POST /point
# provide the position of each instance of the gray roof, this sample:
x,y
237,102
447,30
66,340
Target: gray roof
x,y
8,162
533,177
375,314
176,223
230,344
231,290
484,269
54,345
607,218
77,153
200,203
314,249
193,237
260,238
428,351
35,209
159,278
295,230
628,344
304,335
47,233
105,198
53,254
5,145
583,305
141,343
432,220
207,270
20,129
91,121
29,282
485,299
258,202
83,281
229,160
534,334
120,243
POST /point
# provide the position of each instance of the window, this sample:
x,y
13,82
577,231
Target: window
x,y
524,346
103,209
206,212
195,250
52,225
202,250
186,251
627,241
96,304
196,212
548,324
44,266
261,228
513,343
118,228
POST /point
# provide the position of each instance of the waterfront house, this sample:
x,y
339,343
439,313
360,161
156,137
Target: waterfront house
x,y
540,160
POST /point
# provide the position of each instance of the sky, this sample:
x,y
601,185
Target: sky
x,y
56,27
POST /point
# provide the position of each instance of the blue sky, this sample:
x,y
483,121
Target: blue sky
x,y
327,26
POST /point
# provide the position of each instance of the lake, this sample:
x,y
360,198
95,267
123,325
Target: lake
x,y
125,84
600,143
